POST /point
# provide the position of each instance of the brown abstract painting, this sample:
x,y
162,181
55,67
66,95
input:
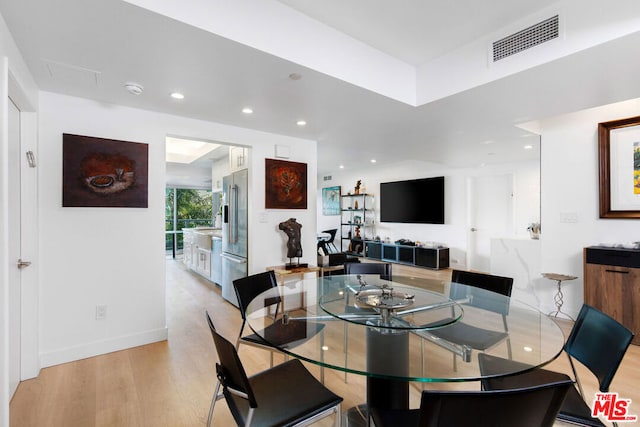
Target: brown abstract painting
x,y
99,172
286,184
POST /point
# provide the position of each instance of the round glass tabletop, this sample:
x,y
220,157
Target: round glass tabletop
x,y
428,324
371,301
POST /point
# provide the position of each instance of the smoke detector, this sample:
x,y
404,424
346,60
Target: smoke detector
x,y
134,88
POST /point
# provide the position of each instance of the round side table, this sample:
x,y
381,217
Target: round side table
x,y
558,298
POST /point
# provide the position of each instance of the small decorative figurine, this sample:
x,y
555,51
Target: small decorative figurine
x,y
355,205
358,232
357,189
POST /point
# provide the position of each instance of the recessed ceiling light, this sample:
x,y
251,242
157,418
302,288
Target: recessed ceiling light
x,y
295,76
177,95
528,147
373,160
301,123
247,110
487,142
134,88
341,166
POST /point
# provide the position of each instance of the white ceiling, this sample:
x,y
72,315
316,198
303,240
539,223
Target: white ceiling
x,y
91,48
416,31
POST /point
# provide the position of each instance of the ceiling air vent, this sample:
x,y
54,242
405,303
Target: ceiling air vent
x,y
529,37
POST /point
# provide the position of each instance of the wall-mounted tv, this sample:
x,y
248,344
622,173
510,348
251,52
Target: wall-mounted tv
x,y
418,201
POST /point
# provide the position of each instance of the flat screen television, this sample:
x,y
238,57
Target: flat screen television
x,y
417,201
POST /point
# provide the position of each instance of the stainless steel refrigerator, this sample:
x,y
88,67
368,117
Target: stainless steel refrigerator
x,y
234,231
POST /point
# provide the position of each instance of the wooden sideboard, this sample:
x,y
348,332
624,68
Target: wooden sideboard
x,y
612,284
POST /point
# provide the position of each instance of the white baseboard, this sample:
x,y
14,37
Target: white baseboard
x,y
97,348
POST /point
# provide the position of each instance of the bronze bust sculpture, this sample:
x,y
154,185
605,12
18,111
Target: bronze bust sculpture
x,y
294,246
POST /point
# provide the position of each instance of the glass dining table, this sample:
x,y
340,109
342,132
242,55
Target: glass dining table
x,y
388,330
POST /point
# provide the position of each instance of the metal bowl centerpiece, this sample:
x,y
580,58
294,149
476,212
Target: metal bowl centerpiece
x,y
383,298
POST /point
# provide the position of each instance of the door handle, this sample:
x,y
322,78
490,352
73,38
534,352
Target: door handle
x,y
22,264
617,271
234,259
473,229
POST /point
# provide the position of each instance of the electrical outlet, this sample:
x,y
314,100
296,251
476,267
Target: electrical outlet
x,y
101,312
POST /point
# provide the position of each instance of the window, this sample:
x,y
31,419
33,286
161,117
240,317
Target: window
x,y
185,208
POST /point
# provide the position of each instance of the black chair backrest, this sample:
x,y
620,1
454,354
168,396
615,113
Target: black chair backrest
x,y
381,268
247,288
599,342
331,232
498,284
230,371
524,407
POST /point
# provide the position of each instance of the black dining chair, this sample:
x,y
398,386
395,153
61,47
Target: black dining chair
x,y
285,395
464,334
278,334
384,270
534,406
596,340
329,243
381,268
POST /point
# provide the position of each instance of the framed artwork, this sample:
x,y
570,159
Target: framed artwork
x,y
99,172
619,167
331,200
285,184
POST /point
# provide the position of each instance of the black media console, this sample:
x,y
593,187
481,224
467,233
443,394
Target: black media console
x,y
436,257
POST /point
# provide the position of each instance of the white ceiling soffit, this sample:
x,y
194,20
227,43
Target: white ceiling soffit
x,y
186,151
279,30
308,33
582,25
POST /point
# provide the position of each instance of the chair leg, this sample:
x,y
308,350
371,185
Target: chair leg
x,y
322,357
249,417
346,348
214,399
422,359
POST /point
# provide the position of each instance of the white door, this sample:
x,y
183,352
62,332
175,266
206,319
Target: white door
x,y
14,235
489,214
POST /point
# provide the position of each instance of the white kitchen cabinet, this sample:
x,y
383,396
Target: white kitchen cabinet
x,y
188,247
203,265
216,260
198,244
238,158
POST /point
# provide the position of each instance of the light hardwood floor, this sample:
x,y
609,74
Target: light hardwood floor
x,y
170,383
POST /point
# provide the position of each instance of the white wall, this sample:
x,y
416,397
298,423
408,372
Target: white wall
x,y
115,256
17,82
526,197
570,185
454,232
